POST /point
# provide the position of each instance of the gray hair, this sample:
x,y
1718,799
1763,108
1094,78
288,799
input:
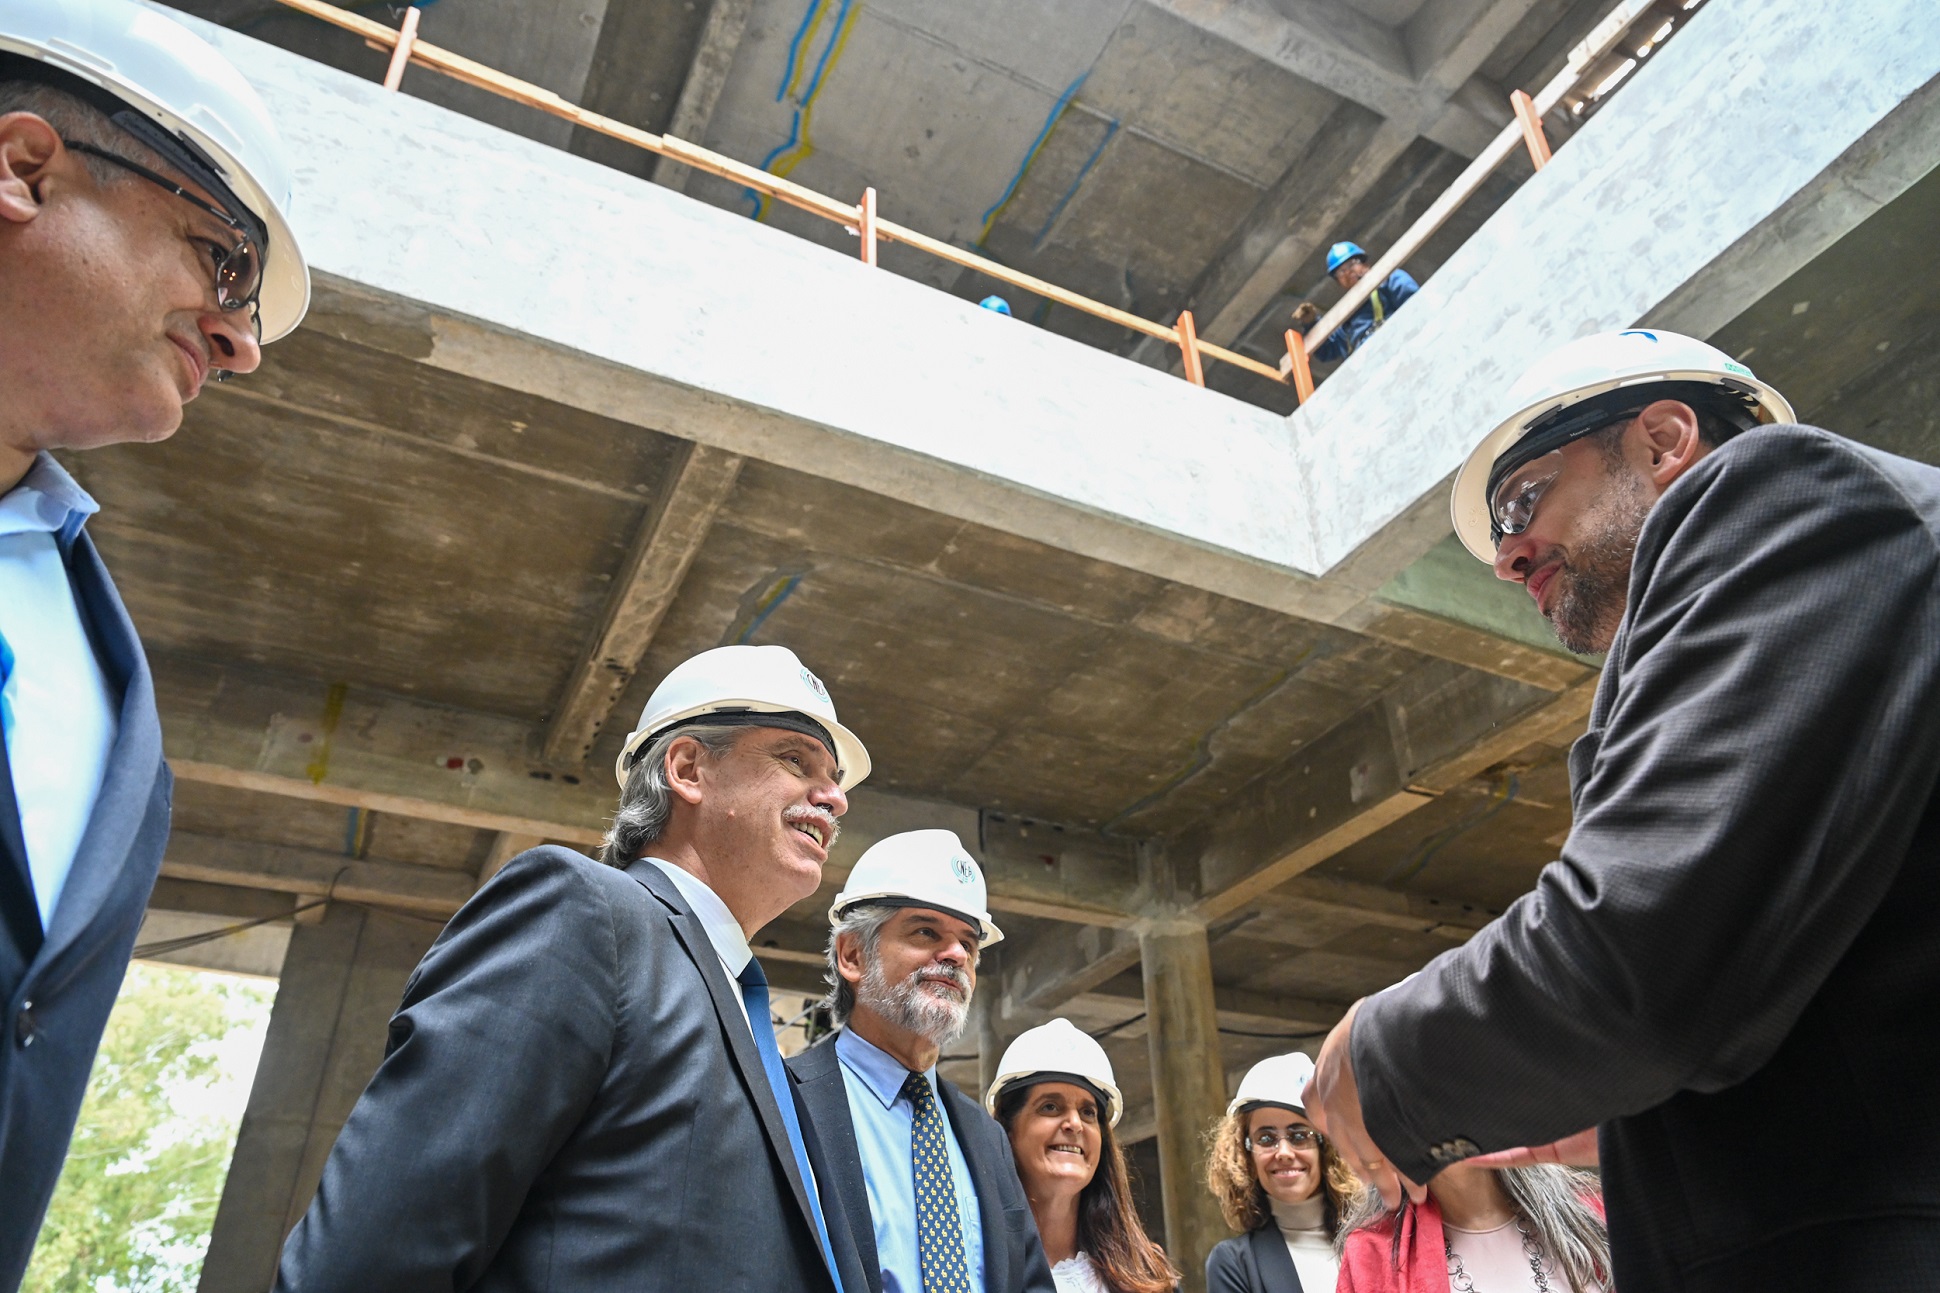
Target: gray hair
x,y
1551,1199
865,921
647,801
78,121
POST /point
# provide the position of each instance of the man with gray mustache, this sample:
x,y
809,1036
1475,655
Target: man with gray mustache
x,y
924,1176
582,1089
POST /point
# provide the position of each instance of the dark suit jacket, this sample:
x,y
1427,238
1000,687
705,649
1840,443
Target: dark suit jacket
x,y
571,1100
58,995
1255,1262
1734,969
1013,1255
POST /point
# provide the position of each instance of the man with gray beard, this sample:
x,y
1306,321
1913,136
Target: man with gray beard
x,y
925,1177
1738,951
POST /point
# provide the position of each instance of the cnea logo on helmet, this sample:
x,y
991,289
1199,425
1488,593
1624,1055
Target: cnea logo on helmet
x,y
965,869
815,684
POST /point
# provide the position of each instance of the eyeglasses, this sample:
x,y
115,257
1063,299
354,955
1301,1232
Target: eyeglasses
x,y
1266,1140
238,270
1513,504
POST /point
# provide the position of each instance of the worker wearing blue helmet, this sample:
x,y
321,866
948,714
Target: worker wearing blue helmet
x,y
1347,262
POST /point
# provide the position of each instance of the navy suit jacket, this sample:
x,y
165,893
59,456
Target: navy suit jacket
x,y
1013,1255
58,995
570,1099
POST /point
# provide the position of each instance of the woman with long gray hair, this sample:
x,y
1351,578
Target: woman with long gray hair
x,y
1482,1230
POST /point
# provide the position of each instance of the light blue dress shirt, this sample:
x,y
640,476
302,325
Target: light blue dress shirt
x,y
58,709
874,1080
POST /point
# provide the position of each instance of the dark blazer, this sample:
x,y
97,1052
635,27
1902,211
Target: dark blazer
x,y
1013,1256
1734,969
1255,1262
569,1099
58,994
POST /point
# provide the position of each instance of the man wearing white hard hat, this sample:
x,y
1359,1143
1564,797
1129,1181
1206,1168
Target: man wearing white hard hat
x,y
1742,938
1057,1099
582,1088
925,1177
142,245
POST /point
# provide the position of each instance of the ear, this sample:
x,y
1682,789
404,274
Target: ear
x,y
848,958
29,150
1665,442
686,775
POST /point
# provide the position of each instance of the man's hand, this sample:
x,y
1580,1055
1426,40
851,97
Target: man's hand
x,y
1305,315
1578,1150
1333,1101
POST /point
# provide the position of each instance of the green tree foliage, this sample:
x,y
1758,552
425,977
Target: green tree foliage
x,y
138,1193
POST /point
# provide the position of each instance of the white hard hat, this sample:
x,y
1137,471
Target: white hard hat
x,y
1278,1080
921,869
1057,1052
1579,373
190,104
739,685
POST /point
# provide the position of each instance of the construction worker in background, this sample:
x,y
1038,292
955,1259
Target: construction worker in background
x,y
925,1177
143,249
1057,1099
582,1088
1348,264
996,305
1736,964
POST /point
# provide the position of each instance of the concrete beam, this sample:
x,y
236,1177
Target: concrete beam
x,y
706,75
261,732
1239,1009
663,550
1436,729
1043,972
1666,207
311,873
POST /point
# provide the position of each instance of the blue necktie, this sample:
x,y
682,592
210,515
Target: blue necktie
x,y
754,992
939,1227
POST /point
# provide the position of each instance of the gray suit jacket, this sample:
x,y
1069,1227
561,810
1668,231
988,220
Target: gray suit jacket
x,y
58,994
1734,968
1013,1255
569,1100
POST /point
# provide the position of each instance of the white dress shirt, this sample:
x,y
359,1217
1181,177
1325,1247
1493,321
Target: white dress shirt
x,y
57,706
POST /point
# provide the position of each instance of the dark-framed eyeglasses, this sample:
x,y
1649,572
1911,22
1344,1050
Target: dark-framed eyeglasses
x,y
1266,1140
238,269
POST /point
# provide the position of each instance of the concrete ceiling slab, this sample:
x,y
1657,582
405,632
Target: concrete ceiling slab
x,y
1204,96
1049,45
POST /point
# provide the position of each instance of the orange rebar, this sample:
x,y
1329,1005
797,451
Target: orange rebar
x,y
407,36
1189,349
1298,367
866,225
1532,127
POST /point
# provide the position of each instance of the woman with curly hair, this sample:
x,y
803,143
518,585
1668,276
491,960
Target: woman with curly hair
x,y
1056,1098
1280,1184
1482,1230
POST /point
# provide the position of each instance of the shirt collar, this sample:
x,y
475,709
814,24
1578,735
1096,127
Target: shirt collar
x,y
47,499
723,930
880,1071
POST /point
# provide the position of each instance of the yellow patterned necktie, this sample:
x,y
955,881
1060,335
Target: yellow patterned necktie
x,y
939,1230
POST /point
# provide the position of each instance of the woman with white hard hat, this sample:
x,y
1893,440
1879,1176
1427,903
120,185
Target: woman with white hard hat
x,y
1056,1098
1280,1183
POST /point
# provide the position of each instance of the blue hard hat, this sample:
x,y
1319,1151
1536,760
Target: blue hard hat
x,y
997,303
1342,252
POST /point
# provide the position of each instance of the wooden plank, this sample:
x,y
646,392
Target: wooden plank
x,y
663,550
1532,127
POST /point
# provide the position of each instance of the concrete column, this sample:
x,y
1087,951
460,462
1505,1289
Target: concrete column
x,y
341,983
993,1034
1188,1085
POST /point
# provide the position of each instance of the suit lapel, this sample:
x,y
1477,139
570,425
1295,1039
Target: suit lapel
x,y
818,1074
734,1026
134,765
1271,1256
964,1117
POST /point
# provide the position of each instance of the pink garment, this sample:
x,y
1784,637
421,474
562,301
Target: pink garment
x,y
1368,1261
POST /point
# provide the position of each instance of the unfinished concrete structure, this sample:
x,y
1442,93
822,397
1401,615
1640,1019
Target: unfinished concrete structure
x,y
1238,732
